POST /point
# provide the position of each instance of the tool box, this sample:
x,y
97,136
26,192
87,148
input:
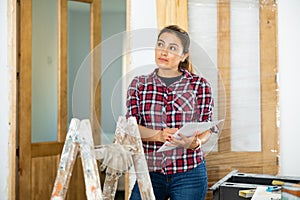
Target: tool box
x,y
228,187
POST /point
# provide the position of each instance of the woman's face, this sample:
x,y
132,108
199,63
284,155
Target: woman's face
x,y
169,52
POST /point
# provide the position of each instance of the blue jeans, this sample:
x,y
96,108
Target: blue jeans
x,y
190,185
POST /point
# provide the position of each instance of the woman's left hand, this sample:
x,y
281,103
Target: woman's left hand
x,y
189,142
183,141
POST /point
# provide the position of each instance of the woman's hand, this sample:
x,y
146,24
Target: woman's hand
x,y
168,133
196,140
156,135
204,137
184,141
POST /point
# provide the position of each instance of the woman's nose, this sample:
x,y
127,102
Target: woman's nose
x,y
164,51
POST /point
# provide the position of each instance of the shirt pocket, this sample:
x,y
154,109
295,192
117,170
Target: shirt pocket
x,y
184,104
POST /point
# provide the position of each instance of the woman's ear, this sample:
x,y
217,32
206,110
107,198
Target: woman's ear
x,y
184,56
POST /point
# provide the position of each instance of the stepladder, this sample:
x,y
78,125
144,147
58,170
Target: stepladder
x,y
116,159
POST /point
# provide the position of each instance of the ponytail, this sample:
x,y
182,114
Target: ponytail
x,y
186,65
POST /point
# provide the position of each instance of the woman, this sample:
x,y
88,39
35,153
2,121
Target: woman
x,y
163,102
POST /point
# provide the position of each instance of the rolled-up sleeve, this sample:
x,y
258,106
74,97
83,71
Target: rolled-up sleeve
x,y
133,100
206,104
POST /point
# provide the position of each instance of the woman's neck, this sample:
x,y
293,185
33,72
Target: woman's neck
x,y
168,73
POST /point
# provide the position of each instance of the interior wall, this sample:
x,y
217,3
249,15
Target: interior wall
x,y
289,85
142,26
4,102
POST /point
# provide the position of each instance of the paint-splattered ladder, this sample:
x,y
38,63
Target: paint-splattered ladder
x,y
127,143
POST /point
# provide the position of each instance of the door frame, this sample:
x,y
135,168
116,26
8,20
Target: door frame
x,y
12,12
28,150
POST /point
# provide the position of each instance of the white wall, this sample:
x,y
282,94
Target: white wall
x,y
143,26
4,102
289,85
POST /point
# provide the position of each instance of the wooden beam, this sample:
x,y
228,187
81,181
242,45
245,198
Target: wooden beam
x,y
224,70
84,1
127,69
172,12
12,64
95,72
24,108
46,149
269,87
62,70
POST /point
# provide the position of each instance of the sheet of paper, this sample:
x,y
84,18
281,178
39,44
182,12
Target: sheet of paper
x,y
188,130
262,194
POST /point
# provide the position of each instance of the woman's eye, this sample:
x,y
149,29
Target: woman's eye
x,y
173,48
159,44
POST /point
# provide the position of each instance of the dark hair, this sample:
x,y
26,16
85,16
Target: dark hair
x,y
185,41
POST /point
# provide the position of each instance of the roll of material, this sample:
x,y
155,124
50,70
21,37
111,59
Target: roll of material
x,y
290,193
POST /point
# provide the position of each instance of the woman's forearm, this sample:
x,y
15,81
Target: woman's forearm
x,y
200,139
204,137
148,134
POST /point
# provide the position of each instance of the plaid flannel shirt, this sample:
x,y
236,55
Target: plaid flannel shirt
x,y
156,106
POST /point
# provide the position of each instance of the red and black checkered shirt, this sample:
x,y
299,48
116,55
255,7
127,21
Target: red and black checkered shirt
x,y
157,106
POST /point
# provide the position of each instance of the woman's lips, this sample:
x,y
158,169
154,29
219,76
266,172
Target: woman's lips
x,y
163,59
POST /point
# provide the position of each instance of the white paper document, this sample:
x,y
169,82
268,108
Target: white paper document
x,y
188,130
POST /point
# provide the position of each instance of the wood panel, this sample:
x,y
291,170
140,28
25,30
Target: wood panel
x,y
269,87
127,69
172,12
12,64
62,70
24,107
224,144
95,72
44,171
46,149
84,1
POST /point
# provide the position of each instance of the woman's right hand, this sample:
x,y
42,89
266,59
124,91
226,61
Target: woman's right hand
x,y
156,135
167,133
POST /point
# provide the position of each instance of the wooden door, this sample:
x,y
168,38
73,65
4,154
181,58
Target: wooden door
x,y
38,161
